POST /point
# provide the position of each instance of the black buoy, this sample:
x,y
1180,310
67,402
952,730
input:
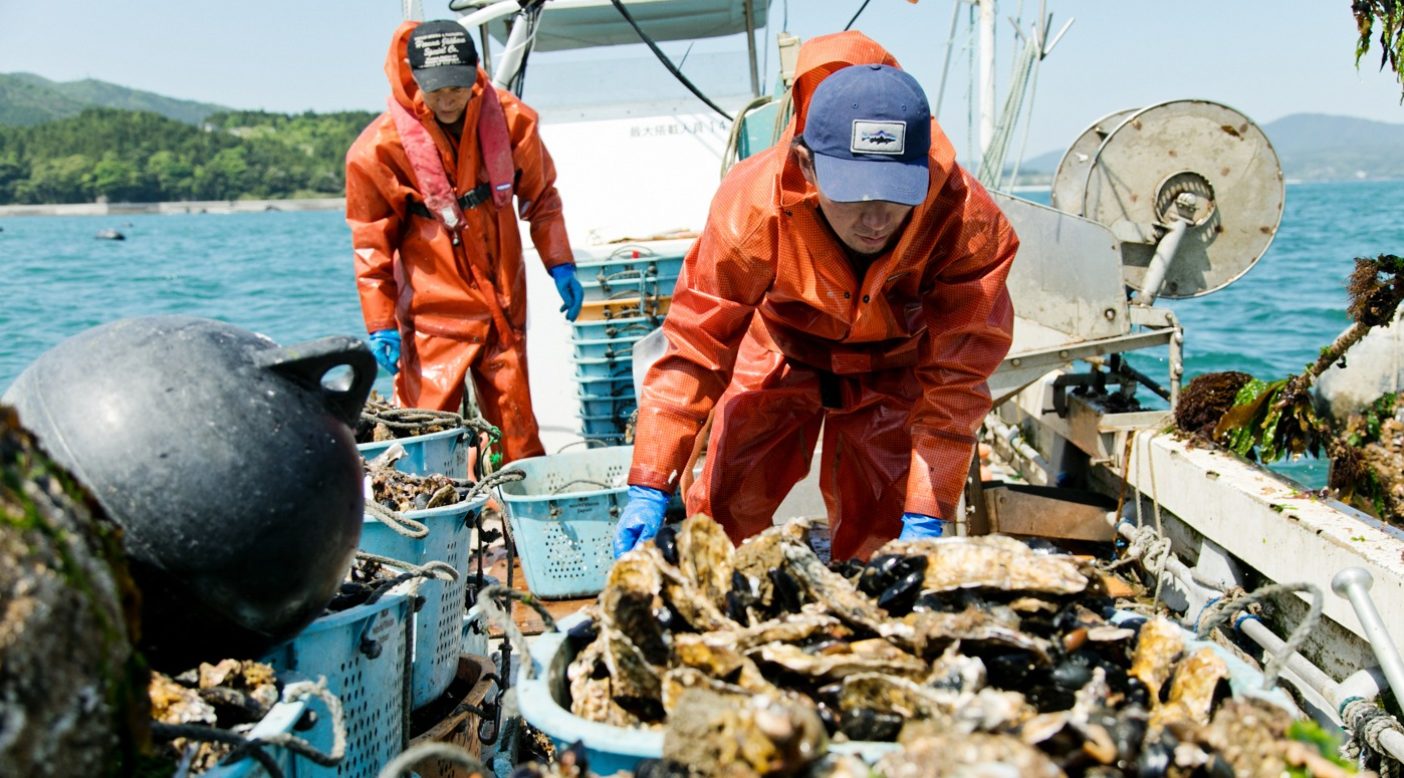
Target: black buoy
x,y
229,463
110,234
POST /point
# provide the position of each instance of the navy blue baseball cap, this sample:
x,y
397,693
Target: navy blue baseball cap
x,y
869,127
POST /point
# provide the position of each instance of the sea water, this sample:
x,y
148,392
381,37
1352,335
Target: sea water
x,y
289,275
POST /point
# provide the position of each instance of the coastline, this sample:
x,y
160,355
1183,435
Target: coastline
x,y
186,206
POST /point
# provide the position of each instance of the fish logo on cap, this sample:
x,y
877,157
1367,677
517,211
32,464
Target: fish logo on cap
x,y
878,137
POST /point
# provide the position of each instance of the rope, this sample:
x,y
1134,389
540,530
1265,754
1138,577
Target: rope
x,y
433,749
197,732
1367,723
402,419
301,690
396,521
491,600
253,747
1221,611
494,480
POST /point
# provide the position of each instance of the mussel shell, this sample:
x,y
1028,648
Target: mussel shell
x,y
829,718
785,591
899,598
869,724
879,574
583,634
667,542
848,568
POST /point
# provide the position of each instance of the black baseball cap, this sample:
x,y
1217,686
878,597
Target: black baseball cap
x,y
441,54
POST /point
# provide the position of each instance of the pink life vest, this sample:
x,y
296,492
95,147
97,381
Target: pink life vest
x,y
439,195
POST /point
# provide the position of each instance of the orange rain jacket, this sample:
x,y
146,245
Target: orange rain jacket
x,y
909,346
411,277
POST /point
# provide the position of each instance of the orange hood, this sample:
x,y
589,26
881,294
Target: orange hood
x,y
823,55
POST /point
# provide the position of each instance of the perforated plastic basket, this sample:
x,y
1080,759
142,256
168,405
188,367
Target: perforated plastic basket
x,y
621,348
613,368
654,305
595,426
634,327
608,406
279,720
660,270
437,452
361,651
562,516
438,625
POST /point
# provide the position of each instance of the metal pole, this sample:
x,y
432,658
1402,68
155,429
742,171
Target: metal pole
x,y
412,10
987,76
751,47
1354,583
514,52
484,50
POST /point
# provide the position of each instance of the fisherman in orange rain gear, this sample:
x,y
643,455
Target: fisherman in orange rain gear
x,y
429,187
851,277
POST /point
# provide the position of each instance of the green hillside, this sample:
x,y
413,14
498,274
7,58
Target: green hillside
x,y
138,156
27,99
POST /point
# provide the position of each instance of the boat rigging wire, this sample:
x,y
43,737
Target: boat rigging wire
x,y
667,63
856,14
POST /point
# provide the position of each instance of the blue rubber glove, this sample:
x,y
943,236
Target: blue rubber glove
x,y
919,525
385,345
642,517
572,294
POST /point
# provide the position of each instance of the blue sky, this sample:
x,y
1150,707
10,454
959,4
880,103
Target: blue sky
x,y
1267,58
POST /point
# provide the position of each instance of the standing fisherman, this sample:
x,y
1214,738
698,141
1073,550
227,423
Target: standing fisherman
x,y
851,277
429,188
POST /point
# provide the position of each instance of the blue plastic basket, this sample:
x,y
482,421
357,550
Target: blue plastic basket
x,y
438,622
634,327
443,452
279,720
595,426
608,406
562,517
362,652
621,348
661,270
610,368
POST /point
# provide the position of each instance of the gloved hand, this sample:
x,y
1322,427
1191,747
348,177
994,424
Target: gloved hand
x,y
385,345
572,294
919,525
642,517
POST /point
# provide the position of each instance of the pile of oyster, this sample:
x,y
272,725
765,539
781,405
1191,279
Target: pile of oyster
x,y
404,492
231,695
966,651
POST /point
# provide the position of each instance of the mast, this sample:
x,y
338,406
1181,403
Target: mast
x,y
987,73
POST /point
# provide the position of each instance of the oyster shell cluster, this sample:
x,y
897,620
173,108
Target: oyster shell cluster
x,y
231,695
404,492
968,651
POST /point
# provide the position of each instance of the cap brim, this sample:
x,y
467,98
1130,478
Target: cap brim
x,y
861,180
432,79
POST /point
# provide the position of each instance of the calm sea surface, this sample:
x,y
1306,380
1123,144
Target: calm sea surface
x,y
289,276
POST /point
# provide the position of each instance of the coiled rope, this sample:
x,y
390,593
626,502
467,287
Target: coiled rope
x,y
1367,723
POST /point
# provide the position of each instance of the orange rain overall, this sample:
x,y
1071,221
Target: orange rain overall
x,y
771,325
457,304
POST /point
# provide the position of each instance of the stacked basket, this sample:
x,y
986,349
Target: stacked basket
x,y
626,297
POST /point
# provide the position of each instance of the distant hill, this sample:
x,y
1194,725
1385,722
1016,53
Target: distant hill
x,y
1311,147
27,99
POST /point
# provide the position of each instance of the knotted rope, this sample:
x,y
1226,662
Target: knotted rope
x,y
433,749
1221,610
1367,723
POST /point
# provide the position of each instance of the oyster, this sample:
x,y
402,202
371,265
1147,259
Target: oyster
x,y
990,562
633,639
959,754
862,656
837,595
704,558
1196,678
713,735
935,630
1157,646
